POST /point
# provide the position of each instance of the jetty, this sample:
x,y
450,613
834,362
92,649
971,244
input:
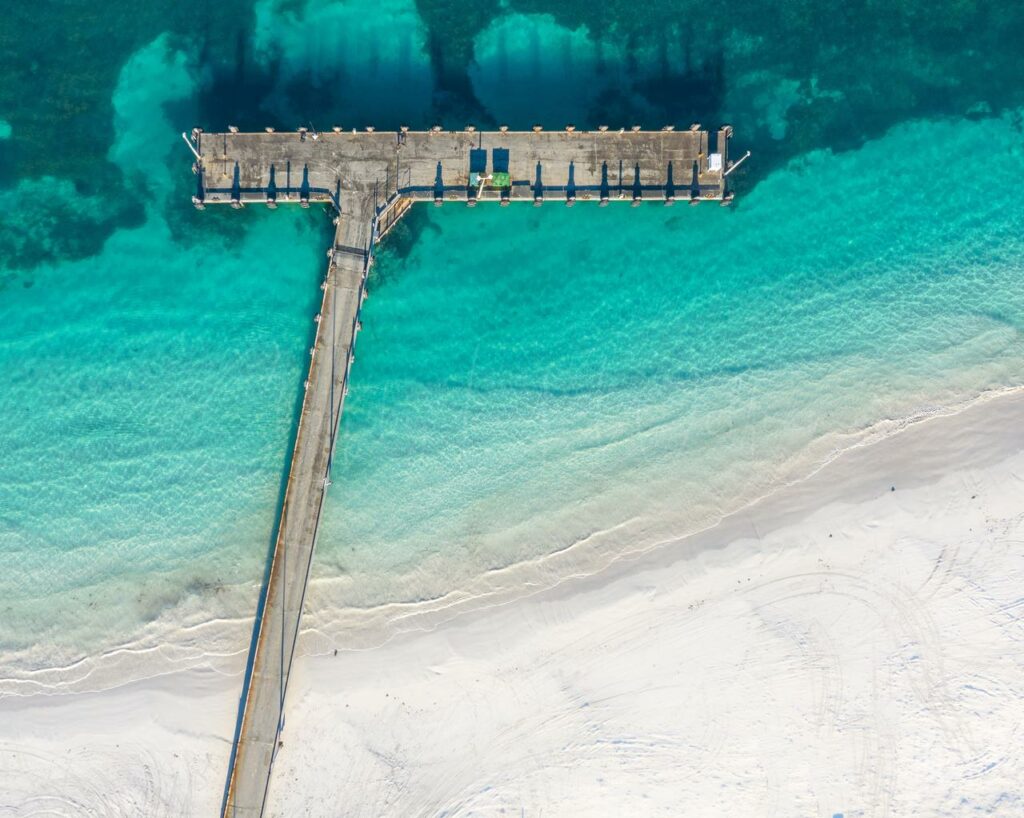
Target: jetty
x,y
370,179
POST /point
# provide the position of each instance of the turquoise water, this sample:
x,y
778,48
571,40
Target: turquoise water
x,y
526,381
529,379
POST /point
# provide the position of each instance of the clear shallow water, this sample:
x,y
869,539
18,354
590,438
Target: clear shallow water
x,y
525,380
149,396
530,378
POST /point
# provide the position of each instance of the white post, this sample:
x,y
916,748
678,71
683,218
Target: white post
x,y
190,146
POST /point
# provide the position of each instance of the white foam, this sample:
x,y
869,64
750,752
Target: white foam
x,y
837,647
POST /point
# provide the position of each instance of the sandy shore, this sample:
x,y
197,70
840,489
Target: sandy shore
x,y
852,645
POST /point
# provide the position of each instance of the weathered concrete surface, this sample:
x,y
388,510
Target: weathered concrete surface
x,y
371,177
422,165
300,516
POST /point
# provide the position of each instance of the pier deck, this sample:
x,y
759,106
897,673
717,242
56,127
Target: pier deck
x,y
371,179
631,165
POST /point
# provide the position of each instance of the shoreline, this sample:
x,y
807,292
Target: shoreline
x,y
511,589
645,620
214,644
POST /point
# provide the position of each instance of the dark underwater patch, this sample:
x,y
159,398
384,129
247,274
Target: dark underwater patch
x,y
859,68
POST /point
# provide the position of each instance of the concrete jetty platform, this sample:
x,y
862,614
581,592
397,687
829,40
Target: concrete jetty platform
x,y
371,179
440,166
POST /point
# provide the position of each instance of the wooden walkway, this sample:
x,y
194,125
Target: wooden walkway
x,y
371,179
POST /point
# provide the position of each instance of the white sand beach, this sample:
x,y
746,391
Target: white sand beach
x,y
851,645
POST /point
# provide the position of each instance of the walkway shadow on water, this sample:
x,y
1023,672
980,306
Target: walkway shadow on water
x,y
401,242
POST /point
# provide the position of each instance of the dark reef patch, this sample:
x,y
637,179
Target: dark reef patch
x,y
791,77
